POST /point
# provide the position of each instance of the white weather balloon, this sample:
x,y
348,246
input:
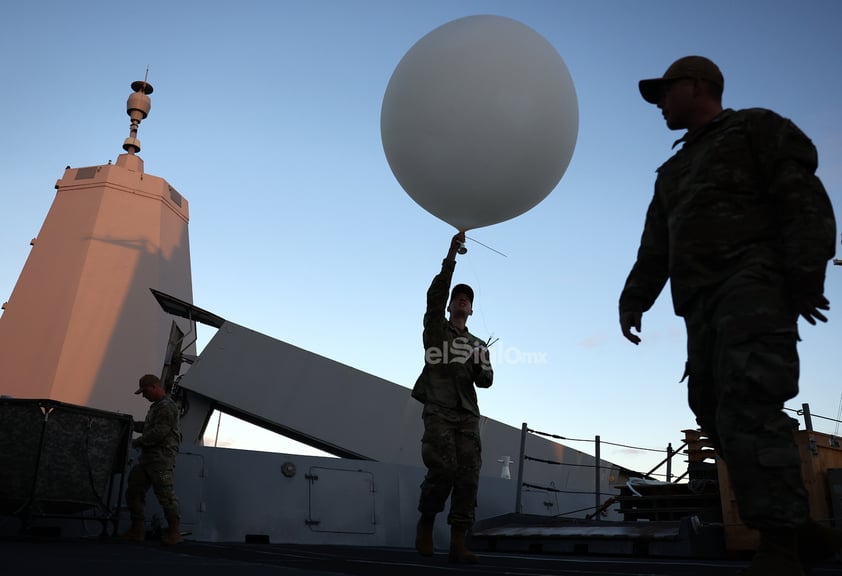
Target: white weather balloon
x,y
479,120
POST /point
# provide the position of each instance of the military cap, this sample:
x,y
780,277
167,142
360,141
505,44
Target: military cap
x,y
686,67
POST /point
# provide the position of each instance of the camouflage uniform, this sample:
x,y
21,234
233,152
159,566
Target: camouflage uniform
x,y
450,447
740,225
159,447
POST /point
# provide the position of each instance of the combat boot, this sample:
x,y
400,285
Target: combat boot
x,y
424,534
817,543
459,553
173,535
777,554
137,532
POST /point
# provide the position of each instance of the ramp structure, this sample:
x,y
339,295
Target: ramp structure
x,y
355,415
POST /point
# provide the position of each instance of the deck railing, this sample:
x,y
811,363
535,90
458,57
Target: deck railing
x,y
695,445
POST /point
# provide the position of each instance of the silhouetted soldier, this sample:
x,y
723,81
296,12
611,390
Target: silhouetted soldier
x,y
158,446
454,362
743,229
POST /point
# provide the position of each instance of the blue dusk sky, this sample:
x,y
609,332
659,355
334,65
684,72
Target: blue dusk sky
x,y
266,117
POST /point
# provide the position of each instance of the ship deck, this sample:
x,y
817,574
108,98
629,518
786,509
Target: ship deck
x,y
98,556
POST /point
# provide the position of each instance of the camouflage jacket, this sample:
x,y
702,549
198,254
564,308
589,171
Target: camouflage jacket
x,y
449,375
161,434
740,194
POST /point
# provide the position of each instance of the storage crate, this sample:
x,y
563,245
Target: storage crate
x,y
819,453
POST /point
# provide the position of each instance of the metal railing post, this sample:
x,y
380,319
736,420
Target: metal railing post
x,y
521,458
597,494
808,419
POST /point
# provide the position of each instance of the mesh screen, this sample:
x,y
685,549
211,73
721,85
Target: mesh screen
x,y
58,457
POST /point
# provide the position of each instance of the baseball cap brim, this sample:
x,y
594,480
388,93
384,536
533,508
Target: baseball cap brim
x,y
651,89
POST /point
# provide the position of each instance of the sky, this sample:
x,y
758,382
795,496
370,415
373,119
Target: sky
x,y
266,117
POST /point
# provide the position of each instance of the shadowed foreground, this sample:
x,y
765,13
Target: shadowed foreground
x,y
97,556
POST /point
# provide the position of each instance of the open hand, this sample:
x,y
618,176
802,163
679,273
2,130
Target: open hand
x,y
809,308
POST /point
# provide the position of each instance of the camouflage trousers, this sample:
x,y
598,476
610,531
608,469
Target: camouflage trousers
x,y
158,475
452,453
742,365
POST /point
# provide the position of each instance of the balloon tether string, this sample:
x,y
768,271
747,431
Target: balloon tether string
x,y
479,289
486,246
